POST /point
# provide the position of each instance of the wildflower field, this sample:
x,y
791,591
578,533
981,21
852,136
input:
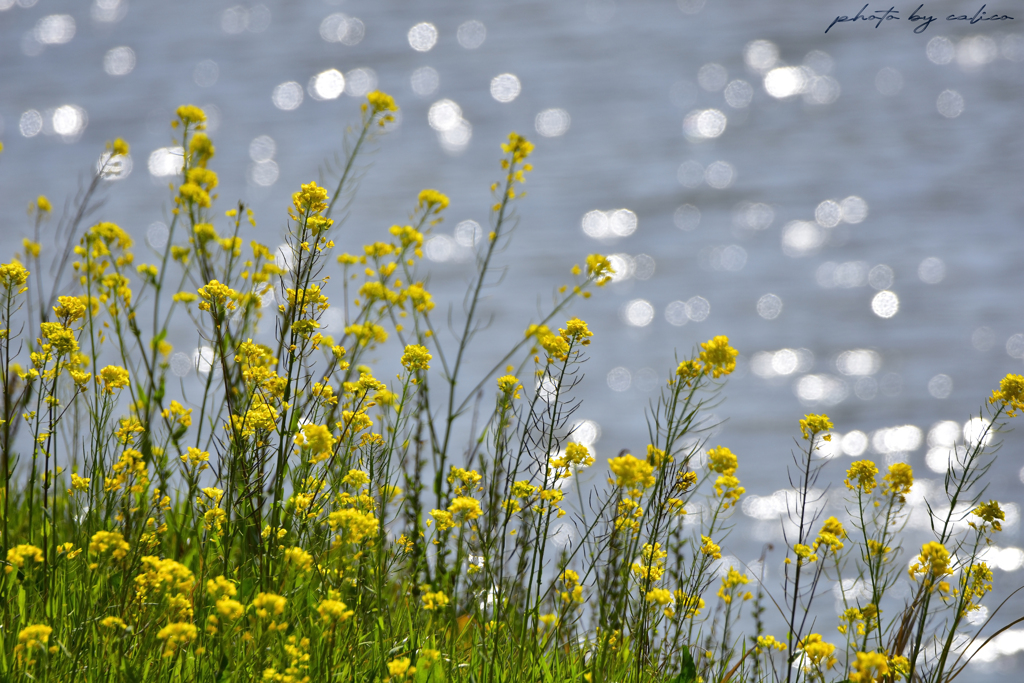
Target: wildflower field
x,y
308,517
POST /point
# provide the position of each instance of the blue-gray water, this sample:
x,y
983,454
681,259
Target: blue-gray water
x,y
922,128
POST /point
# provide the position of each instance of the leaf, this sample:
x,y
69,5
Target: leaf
x,y
688,672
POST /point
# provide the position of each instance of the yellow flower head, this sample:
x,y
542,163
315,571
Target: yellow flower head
x,y
43,204
933,565
869,667
1010,394
13,275
113,377
310,199
722,460
718,356
190,114
899,480
812,424
416,357
861,476
434,201
599,268
710,548
991,513
509,385
819,653
631,472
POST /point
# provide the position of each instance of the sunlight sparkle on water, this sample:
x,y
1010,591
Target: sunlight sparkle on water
x,y
422,37
166,161
119,61
287,96
505,87
638,313
471,34
704,124
769,306
339,28
327,85
552,123
761,55
885,304
425,81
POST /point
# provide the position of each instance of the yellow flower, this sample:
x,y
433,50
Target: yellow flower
x,y
216,296
318,440
831,535
400,668
812,424
869,667
191,114
178,635
381,101
17,555
230,609
13,275
769,642
310,200
333,611
818,652
722,460
465,508
861,476
1010,394
991,513
599,268
434,201
718,356
69,308
509,384
416,357
434,601
34,637
267,604
103,541
710,548
631,472
220,587
933,565
298,557
660,596
120,147
43,204
899,480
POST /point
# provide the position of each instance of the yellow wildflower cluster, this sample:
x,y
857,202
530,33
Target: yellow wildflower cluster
x,y
770,643
652,564
932,565
991,513
416,357
573,592
1010,394
831,535
819,653
718,357
631,473
509,385
861,477
599,269
378,103
899,480
733,579
869,667
814,424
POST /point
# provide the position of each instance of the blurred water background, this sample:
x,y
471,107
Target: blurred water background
x,y
846,207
